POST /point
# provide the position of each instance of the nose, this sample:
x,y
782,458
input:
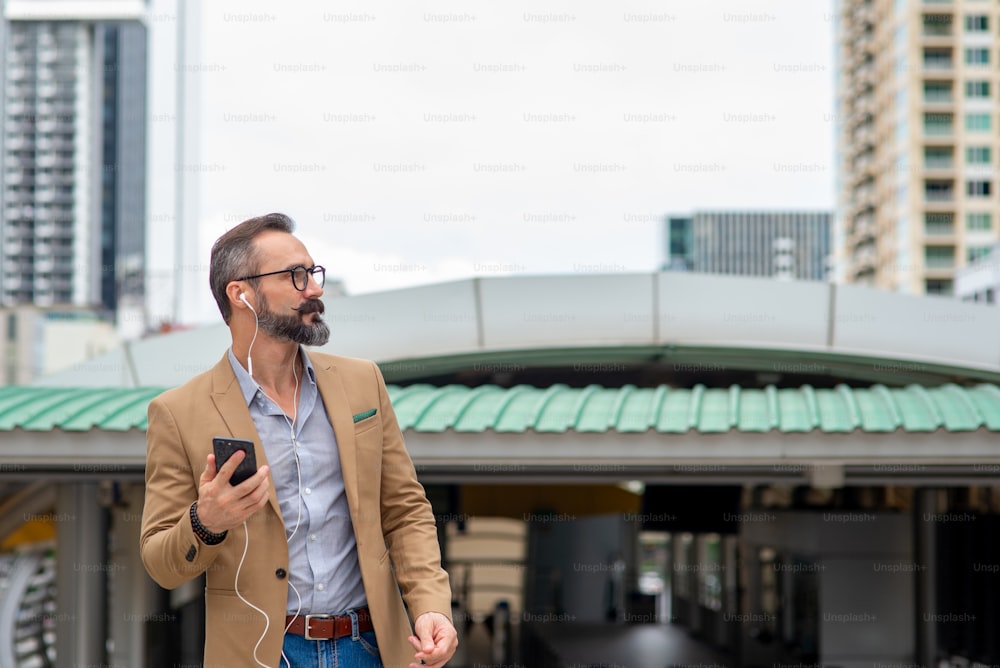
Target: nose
x,y
313,289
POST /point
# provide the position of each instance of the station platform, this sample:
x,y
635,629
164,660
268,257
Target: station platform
x,y
629,646
585,645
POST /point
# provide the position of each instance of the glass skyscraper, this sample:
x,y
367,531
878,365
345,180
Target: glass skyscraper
x,y
74,163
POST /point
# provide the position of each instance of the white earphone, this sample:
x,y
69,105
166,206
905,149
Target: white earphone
x,y
243,298
246,531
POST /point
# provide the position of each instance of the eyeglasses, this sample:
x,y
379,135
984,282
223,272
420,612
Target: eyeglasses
x,y
300,276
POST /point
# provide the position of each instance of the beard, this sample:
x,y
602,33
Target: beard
x,y
291,327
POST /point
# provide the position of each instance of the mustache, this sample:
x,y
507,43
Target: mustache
x,y
311,306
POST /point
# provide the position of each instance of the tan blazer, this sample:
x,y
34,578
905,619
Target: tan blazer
x,y
393,522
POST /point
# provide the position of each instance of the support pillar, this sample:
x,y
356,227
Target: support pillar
x,y
925,554
81,575
132,591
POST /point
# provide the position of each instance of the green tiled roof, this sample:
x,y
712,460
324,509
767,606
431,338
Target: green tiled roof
x,y
74,409
560,408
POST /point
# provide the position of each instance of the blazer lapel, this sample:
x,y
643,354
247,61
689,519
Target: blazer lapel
x,y
229,401
338,409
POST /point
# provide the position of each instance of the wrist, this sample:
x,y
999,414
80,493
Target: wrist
x,y
204,535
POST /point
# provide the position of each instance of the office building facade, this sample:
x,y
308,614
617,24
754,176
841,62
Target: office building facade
x,y
782,244
979,281
917,140
74,163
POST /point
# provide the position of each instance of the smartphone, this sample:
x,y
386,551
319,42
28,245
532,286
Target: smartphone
x,y
225,447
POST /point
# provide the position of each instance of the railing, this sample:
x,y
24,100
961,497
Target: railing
x,y
938,129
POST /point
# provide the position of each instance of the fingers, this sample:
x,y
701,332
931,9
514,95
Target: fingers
x,y
227,470
209,473
222,506
435,641
261,488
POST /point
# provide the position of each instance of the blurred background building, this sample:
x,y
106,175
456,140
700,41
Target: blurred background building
x,y
783,244
917,141
39,341
980,280
74,158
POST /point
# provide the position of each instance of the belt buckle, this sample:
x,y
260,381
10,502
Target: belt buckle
x,y
309,619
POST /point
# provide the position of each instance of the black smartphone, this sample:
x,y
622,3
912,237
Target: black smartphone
x,y
225,447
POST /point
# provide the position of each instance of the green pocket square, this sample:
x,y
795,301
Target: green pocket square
x,y
364,416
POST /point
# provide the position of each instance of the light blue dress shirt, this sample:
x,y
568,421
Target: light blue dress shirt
x,y
322,553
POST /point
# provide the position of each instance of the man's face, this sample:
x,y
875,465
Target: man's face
x,y
296,313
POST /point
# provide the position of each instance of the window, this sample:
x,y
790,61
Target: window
x,y
938,124
939,257
973,253
939,223
938,157
937,59
980,221
977,23
938,191
977,89
977,122
937,91
937,286
977,188
977,155
977,56
937,25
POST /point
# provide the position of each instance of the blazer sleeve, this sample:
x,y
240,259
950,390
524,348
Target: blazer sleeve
x,y
408,521
169,547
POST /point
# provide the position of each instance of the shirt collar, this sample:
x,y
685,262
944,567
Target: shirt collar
x,y
249,386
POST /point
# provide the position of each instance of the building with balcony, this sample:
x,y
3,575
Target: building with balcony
x,y
918,145
72,231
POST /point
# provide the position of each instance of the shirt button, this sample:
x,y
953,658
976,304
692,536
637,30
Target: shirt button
x,y
280,573
320,586
312,537
308,491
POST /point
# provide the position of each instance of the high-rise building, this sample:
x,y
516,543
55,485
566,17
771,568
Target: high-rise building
x,y
782,244
918,141
979,281
74,156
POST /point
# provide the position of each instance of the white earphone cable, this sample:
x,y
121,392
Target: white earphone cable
x,y
298,470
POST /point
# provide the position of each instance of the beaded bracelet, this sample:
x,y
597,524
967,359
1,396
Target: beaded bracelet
x,y
203,534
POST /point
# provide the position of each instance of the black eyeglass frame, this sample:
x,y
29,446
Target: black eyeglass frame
x,y
310,271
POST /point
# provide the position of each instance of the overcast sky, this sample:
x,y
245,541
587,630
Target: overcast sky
x,y
434,140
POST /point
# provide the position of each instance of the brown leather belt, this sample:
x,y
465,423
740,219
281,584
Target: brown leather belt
x,y
327,627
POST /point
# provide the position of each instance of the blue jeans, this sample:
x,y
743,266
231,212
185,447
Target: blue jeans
x,y
358,650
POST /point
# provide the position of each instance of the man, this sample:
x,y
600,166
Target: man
x,y
309,560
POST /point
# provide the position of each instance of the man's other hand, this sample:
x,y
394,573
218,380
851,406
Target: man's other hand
x,y
435,640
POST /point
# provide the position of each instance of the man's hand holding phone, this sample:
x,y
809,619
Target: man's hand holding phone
x,y
223,505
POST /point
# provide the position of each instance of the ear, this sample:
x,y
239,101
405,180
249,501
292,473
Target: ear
x,y
234,290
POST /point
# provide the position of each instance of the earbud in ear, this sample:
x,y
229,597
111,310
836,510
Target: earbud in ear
x,y
243,298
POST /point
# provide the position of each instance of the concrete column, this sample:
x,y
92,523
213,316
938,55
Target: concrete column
x,y
132,591
925,554
81,575
729,635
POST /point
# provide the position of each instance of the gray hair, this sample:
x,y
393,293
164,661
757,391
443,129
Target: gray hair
x,y
234,255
